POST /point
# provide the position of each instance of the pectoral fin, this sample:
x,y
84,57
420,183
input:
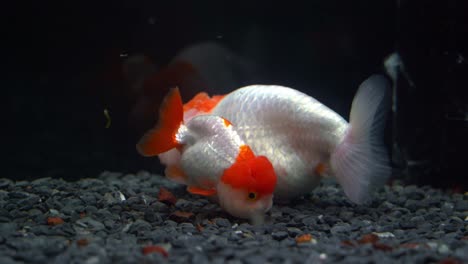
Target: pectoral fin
x,y
201,191
320,169
176,174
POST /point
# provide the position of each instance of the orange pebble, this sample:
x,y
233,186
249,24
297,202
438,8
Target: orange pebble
x,y
304,238
82,242
200,228
54,221
369,238
166,196
152,249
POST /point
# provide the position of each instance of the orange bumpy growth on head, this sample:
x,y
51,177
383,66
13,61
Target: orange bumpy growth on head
x,y
251,174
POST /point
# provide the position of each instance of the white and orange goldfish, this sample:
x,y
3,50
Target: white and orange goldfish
x,y
205,153
301,138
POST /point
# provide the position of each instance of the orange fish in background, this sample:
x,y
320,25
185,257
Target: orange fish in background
x,y
206,66
149,85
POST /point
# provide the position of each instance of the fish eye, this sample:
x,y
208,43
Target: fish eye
x,y
252,196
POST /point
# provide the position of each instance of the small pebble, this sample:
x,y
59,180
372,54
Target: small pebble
x,y
222,222
279,235
113,217
340,228
461,205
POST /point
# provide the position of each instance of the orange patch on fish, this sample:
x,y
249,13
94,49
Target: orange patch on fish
x,y
175,173
255,173
245,153
227,123
202,102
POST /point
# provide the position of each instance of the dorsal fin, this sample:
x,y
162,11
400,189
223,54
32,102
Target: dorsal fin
x,y
202,102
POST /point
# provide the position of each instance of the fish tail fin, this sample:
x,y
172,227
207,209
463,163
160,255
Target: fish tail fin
x,y
360,162
162,137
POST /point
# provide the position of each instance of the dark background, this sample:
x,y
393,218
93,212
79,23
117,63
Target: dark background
x,y
63,67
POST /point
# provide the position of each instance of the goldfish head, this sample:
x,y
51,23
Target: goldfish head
x,y
246,188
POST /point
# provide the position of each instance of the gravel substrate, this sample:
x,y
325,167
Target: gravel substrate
x,y
119,218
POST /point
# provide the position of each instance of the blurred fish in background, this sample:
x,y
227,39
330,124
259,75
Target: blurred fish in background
x,y
205,66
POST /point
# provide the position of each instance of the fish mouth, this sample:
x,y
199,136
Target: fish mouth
x,y
235,203
257,217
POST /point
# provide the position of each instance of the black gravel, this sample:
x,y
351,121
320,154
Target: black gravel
x,y
116,218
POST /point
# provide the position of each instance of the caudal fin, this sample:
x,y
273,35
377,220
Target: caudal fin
x,y
163,136
360,162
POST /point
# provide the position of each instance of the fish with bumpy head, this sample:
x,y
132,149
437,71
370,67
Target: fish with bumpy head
x,y
298,141
204,152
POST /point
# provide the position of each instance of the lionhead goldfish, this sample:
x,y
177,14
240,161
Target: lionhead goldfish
x,y
265,139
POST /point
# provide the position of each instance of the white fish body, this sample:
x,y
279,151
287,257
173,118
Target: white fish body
x,y
305,140
211,146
